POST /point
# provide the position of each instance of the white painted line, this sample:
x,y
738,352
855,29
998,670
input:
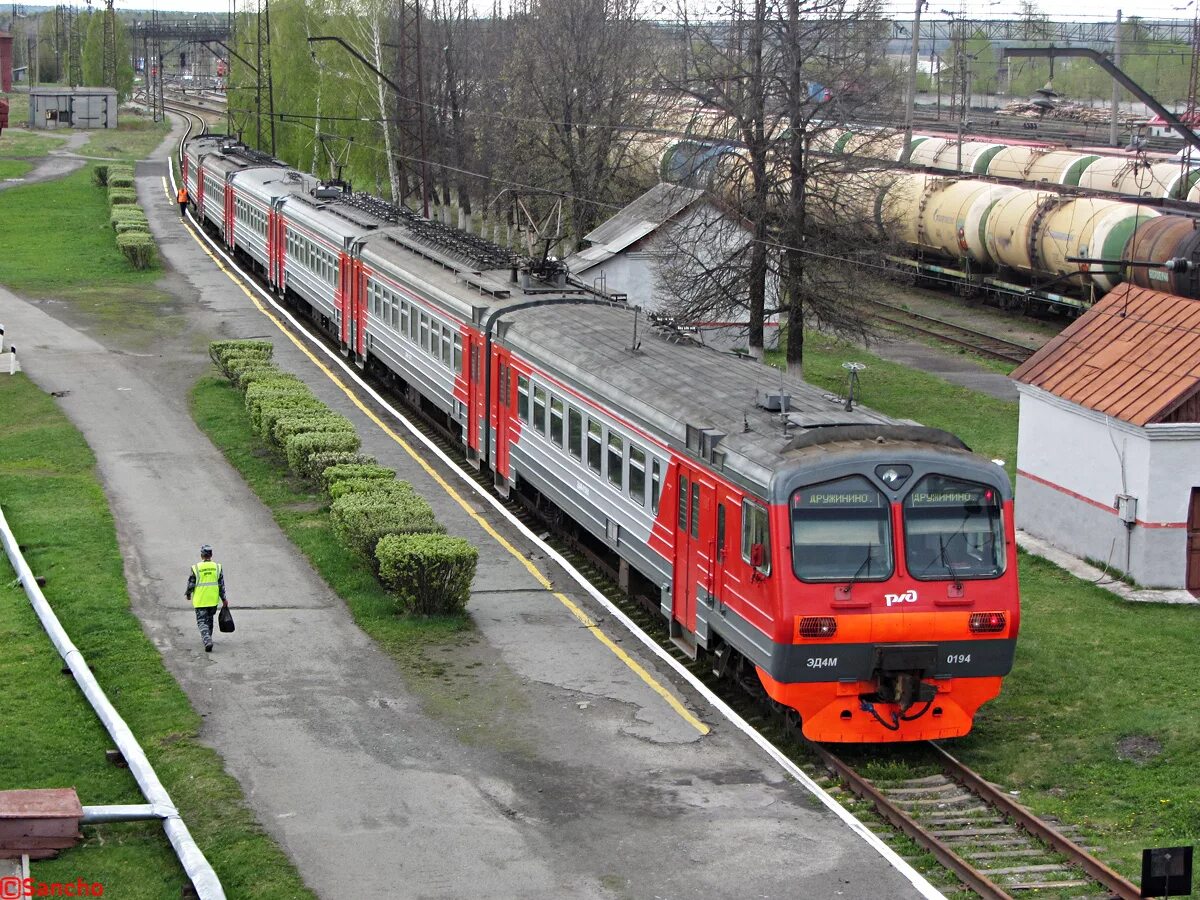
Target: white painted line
x,y
918,880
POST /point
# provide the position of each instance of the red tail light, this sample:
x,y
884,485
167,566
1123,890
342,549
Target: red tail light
x,y
818,626
987,622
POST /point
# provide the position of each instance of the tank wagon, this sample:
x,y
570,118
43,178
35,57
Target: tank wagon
x,y
861,569
1022,245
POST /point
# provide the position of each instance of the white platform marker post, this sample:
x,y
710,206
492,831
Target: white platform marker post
x,y
12,359
1,337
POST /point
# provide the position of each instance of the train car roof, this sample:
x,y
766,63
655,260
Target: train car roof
x,y
456,269
678,388
268,183
314,213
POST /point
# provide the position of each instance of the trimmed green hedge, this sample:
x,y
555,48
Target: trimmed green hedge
x,y
133,227
430,574
303,422
218,350
119,196
361,519
335,473
319,462
302,447
139,248
120,181
379,486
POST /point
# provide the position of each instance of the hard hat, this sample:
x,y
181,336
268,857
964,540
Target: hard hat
x,y
205,550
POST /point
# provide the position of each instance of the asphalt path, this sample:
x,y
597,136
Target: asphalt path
x,y
526,760
57,163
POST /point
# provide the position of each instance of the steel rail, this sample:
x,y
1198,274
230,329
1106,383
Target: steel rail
x,y
968,874
1020,354
1023,818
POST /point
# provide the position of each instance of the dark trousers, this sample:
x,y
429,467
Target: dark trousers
x,y
204,621
182,209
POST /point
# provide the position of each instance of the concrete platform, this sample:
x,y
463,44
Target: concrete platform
x,y
526,761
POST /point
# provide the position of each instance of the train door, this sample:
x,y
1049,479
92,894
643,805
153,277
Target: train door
x,y
346,300
473,374
1193,544
198,199
230,235
694,532
503,378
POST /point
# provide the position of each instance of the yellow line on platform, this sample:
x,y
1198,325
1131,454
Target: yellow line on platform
x,y
566,601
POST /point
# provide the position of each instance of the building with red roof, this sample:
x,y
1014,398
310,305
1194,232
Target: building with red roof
x,y
1108,455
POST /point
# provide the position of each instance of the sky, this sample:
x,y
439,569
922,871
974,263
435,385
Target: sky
x,y
1071,10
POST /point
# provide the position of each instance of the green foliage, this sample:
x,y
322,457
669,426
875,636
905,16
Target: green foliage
x,y
379,486
319,462
118,196
100,175
139,249
361,519
301,447
136,227
305,421
430,574
234,364
258,371
335,473
120,181
92,55
266,402
219,350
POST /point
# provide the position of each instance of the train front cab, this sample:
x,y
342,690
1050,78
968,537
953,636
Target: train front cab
x,y
898,598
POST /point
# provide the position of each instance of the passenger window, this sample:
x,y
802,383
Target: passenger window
x,y
637,474
575,432
720,532
556,420
756,536
447,346
403,318
395,316
424,340
523,398
412,325
594,443
616,460
539,408
683,503
655,483
435,339
695,509
457,364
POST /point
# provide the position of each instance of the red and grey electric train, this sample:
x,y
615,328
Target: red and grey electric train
x,y
864,569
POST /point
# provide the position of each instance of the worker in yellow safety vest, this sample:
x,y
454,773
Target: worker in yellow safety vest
x,y
206,588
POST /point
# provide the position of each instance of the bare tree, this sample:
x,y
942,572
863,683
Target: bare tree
x,y
574,96
779,80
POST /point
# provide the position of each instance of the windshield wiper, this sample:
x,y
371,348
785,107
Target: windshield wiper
x,y
866,564
945,561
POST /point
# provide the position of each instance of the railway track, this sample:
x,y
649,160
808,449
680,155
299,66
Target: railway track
x,y
993,845
948,332
988,854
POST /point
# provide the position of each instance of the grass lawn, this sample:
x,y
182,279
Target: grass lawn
x,y
135,137
102,293
13,168
52,738
302,511
20,143
18,107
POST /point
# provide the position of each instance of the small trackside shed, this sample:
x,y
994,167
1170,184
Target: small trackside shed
x,y
1108,454
77,107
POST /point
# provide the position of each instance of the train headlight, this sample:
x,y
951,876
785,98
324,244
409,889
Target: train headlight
x,y
987,622
818,627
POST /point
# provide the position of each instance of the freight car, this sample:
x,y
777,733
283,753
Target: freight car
x,y
861,570
1022,246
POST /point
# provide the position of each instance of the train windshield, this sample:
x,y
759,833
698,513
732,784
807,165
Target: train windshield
x,y
841,532
953,529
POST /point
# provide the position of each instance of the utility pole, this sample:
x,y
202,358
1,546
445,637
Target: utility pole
x,y
1116,94
912,82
